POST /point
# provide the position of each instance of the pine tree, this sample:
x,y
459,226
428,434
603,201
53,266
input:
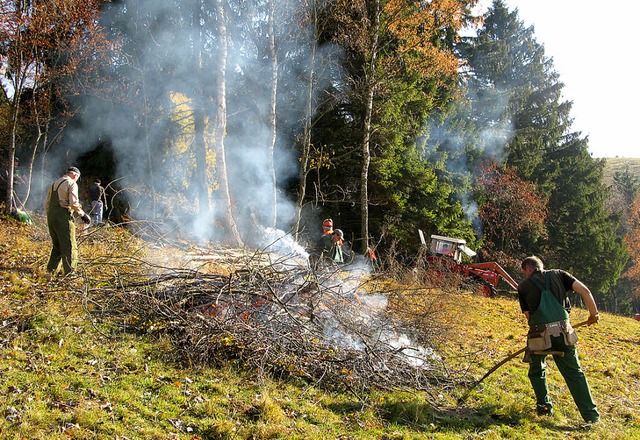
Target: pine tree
x,y
516,90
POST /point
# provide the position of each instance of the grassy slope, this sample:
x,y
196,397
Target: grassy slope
x,y
66,376
617,164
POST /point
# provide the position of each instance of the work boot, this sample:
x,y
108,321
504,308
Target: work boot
x,y
544,410
590,424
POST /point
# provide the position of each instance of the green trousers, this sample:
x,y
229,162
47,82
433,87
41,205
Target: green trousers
x,y
569,367
62,230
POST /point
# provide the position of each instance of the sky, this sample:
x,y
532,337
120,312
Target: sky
x,y
594,48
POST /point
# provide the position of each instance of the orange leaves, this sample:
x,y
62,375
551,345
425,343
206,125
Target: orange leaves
x,y
513,211
632,240
416,29
410,34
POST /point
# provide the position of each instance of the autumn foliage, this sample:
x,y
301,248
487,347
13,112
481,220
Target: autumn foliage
x,y
512,212
632,241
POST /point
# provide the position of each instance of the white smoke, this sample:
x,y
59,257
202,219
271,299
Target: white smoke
x,y
154,161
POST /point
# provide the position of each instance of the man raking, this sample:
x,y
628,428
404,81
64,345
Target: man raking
x,y
545,303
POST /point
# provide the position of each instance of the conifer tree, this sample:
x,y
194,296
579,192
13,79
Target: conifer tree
x,y
516,89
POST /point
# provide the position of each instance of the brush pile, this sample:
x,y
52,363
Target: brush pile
x,y
272,316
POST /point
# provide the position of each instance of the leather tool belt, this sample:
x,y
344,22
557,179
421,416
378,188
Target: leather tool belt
x,y
539,336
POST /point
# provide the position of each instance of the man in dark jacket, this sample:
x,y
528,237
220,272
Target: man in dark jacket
x,y
322,249
98,201
545,303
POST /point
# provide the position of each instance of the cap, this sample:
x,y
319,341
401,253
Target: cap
x,y
327,223
73,170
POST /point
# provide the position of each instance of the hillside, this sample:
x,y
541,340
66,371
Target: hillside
x,y
76,363
614,165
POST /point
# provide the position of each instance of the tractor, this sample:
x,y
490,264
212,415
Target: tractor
x,y
446,254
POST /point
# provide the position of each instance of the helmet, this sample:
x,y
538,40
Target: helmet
x,y
327,223
338,232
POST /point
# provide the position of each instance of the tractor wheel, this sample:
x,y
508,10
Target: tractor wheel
x,y
488,290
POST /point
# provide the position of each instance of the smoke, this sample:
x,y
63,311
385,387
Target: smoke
x,y
476,129
355,319
283,244
146,116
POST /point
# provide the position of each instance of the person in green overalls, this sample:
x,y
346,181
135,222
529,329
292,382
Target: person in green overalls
x,y
337,254
545,303
62,202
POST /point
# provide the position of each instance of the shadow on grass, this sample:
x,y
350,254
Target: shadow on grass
x,y
422,417
19,269
630,341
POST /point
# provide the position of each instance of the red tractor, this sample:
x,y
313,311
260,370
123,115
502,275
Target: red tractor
x,y
446,254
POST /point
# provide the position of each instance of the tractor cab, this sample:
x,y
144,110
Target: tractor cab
x,y
452,247
446,254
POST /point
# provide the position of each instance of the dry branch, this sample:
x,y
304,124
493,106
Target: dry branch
x,y
273,317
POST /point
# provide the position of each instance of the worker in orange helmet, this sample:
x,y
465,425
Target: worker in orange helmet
x,y
323,246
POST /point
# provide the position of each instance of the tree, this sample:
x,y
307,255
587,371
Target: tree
x,y
512,211
44,63
516,90
632,241
515,93
306,85
387,40
626,185
219,128
583,234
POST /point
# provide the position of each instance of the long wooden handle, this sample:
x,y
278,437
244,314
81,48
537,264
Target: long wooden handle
x,y
504,361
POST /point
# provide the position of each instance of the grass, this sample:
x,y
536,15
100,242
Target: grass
x,y
66,375
615,165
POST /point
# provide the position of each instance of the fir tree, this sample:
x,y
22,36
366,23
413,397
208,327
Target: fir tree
x,y
517,91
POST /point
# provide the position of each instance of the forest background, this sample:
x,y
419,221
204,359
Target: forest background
x,y
227,120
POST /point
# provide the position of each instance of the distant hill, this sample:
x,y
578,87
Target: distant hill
x,y
616,164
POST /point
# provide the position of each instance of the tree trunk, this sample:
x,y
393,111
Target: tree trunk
x,y
42,135
370,84
272,112
10,206
152,180
200,145
220,125
306,141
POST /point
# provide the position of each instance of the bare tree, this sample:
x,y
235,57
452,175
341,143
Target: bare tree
x,y
221,123
39,61
273,52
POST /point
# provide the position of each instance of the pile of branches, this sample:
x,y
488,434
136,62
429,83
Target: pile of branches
x,y
277,318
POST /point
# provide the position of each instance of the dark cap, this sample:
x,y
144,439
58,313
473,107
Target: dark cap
x,y
73,170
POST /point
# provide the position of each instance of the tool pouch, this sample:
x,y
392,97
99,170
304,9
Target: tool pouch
x,y
538,340
570,336
565,330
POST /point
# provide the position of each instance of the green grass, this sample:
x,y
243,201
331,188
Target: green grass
x,y
67,375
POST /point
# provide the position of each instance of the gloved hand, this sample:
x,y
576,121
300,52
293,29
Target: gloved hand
x,y
86,219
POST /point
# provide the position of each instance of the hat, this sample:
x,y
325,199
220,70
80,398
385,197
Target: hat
x,y
338,232
73,170
327,223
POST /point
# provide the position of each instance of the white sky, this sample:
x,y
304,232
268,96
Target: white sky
x,y
594,49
